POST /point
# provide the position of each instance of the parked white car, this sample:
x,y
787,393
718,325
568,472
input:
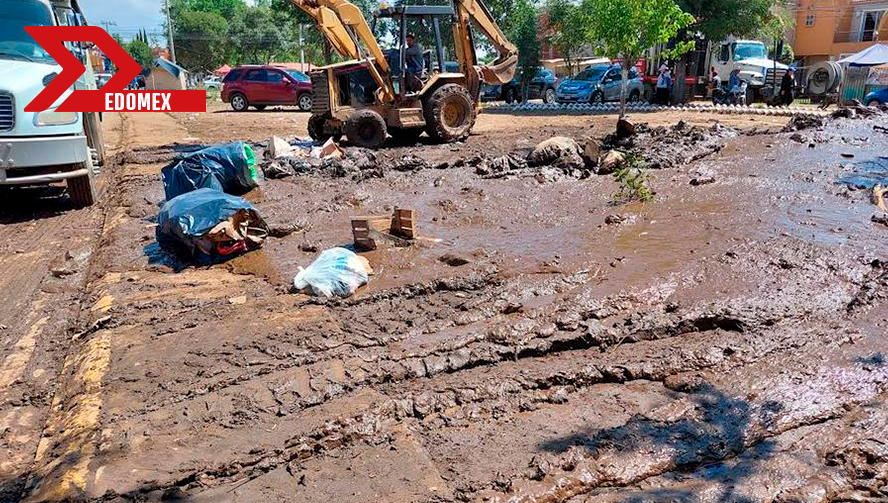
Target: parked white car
x,y
48,146
212,83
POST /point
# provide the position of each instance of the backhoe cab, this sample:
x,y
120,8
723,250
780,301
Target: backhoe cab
x,y
372,96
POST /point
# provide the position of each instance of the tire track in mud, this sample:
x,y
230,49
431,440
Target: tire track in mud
x,y
68,436
568,321
738,339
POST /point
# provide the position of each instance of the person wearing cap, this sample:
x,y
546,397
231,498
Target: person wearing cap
x,y
786,86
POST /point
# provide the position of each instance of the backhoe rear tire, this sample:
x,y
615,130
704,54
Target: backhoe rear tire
x,y
449,113
366,128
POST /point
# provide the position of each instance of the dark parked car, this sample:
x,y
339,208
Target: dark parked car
x,y
260,86
542,86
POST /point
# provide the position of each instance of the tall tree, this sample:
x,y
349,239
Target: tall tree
x,y
200,40
627,28
567,29
523,33
141,52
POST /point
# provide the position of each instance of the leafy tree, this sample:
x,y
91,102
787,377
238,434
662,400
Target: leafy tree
x,y
141,52
567,29
627,28
523,33
200,40
258,37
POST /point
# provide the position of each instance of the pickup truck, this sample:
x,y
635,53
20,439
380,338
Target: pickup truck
x,y
49,146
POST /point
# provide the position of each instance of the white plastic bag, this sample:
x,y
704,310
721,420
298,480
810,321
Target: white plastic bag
x,y
336,271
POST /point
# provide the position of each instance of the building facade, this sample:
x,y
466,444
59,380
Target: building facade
x,y
827,30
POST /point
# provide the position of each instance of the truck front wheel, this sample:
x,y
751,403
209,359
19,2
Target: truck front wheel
x,y
82,189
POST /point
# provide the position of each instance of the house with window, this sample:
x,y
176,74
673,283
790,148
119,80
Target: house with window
x,y
828,30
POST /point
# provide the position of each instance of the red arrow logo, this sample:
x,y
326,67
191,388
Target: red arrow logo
x,y
112,96
51,38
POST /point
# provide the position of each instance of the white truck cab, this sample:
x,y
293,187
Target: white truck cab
x,y
751,58
49,146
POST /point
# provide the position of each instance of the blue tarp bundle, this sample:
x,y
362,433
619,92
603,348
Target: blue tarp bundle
x,y
228,168
186,221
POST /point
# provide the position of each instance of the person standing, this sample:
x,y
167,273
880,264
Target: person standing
x,y
664,82
786,87
414,63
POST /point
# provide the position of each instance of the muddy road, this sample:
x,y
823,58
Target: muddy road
x,y
722,342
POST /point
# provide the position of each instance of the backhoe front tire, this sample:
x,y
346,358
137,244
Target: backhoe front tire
x,y
316,128
366,128
449,113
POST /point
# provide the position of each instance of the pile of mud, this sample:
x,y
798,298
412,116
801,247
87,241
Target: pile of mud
x,y
669,147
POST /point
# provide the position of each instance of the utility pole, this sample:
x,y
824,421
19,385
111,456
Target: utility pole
x,y
170,32
108,25
301,49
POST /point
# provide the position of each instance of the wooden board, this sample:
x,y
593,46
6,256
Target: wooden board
x,y
404,223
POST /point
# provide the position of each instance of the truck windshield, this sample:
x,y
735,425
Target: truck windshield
x,y
749,51
15,43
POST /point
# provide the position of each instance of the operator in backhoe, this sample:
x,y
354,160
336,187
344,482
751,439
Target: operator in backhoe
x,y
414,63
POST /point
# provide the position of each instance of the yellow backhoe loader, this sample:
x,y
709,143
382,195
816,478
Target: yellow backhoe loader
x,y
372,96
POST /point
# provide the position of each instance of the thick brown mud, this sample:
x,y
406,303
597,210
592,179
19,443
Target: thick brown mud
x,y
722,342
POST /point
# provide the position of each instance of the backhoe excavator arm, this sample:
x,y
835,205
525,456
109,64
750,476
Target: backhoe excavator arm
x,y
343,25
502,70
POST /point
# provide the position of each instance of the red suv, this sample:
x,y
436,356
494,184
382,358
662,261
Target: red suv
x,y
260,86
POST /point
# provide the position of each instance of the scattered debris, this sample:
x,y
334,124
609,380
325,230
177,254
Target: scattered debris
x,y
559,152
96,325
278,147
670,147
800,122
275,170
798,138
626,129
878,199
208,224
615,219
453,260
847,155
236,301
336,271
880,219
612,160
371,231
703,180
61,272
310,247
328,149
410,162
501,165
591,152
284,230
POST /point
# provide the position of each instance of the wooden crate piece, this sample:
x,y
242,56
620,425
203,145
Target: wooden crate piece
x,y
404,223
361,227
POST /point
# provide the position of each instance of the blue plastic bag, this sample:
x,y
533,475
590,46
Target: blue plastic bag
x,y
228,168
336,271
208,224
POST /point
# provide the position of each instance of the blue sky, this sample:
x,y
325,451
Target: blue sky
x,y
130,15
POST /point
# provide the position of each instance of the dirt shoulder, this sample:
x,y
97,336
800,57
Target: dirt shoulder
x,y
584,350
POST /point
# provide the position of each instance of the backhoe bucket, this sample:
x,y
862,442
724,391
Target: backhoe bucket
x,y
499,72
